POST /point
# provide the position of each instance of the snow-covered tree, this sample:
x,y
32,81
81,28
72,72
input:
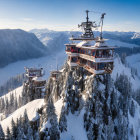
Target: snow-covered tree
x,y
2,135
8,134
63,120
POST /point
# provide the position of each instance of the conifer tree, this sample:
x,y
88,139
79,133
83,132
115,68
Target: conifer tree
x,y
52,118
63,121
8,134
13,129
2,135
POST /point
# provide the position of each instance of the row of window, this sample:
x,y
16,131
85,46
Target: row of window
x,y
96,66
34,74
95,53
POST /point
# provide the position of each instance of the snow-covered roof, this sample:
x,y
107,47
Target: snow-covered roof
x,y
86,43
61,70
93,45
38,79
100,44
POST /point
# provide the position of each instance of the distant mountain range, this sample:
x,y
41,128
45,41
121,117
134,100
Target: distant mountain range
x,y
128,37
45,36
18,45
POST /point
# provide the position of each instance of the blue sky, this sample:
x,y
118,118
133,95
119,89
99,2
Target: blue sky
x,y
122,15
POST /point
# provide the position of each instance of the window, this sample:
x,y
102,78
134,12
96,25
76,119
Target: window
x,y
93,53
72,50
93,65
110,52
100,53
101,66
83,51
68,48
75,49
78,50
104,53
97,53
73,59
89,52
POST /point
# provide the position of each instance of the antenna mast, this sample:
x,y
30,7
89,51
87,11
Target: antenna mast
x,y
102,19
87,15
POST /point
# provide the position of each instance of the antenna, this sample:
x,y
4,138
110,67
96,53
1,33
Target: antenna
x,y
87,15
102,19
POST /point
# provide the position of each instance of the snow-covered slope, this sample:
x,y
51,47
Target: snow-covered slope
x,y
134,122
31,108
97,110
53,40
134,61
44,35
77,103
17,92
75,129
119,68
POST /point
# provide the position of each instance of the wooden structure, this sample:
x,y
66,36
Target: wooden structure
x,y
34,77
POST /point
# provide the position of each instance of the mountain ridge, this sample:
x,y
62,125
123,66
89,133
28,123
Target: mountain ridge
x,y
16,44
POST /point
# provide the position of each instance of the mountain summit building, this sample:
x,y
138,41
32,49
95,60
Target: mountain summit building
x,y
89,52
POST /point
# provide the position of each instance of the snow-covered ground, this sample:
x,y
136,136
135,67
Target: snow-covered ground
x,y
134,61
58,107
48,63
17,92
31,108
134,122
75,128
75,124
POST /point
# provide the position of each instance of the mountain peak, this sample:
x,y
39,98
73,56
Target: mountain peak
x,y
136,36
